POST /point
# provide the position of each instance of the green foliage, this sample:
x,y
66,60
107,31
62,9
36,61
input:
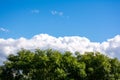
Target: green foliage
x,y
54,65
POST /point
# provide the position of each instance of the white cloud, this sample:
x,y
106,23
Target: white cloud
x,y
60,13
35,11
54,12
110,47
4,30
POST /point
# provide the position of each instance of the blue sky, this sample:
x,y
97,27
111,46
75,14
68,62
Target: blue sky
x,y
97,20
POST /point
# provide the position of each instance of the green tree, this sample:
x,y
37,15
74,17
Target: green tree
x,y
54,65
115,69
97,65
74,69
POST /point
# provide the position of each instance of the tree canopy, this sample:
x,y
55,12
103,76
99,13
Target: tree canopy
x,y
54,65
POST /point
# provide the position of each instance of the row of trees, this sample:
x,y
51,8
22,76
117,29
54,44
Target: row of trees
x,y
54,65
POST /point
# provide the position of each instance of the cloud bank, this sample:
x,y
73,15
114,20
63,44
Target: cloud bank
x,y
111,47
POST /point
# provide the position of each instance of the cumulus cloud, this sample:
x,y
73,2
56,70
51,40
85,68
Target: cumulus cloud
x,y
35,11
111,47
54,12
4,30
